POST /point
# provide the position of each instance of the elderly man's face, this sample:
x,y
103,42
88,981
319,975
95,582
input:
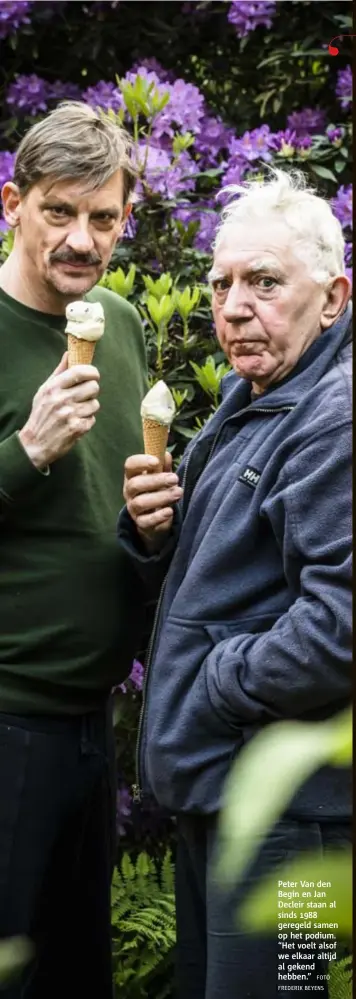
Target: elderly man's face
x,y
267,309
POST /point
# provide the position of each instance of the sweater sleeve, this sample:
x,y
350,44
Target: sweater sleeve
x,y
303,662
18,475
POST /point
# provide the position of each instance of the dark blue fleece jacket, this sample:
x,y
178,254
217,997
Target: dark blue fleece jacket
x,y
254,621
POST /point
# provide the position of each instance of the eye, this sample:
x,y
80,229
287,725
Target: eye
x,y
58,211
266,282
221,285
104,219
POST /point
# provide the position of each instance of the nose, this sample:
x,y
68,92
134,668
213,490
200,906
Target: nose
x,y
237,305
79,238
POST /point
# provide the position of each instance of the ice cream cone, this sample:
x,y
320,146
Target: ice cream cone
x,y
155,437
80,351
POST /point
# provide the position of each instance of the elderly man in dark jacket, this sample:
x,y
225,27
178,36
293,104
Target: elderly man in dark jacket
x,y
251,547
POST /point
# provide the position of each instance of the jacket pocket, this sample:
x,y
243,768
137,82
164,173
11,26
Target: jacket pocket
x,y
220,680
248,625
187,746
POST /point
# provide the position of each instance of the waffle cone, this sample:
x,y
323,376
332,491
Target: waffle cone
x,y
80,351
155,438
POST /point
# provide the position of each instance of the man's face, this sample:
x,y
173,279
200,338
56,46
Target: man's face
x,y
266,307
66,235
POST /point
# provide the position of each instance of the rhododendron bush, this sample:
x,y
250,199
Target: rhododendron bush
x,y
213,93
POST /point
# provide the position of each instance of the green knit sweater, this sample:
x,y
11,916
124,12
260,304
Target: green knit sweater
x,y
69,605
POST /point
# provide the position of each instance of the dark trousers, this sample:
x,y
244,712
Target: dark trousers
x,y
215,959
56,852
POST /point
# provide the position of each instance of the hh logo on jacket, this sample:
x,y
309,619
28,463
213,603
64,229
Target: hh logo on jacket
x,y
250,477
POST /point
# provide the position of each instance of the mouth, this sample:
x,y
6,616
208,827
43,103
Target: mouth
x,y
75,265
247,347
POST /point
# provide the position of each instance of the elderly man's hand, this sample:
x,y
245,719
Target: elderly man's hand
x,y
149,495
63,410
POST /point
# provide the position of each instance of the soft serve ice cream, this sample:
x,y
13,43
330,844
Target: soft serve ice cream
x,y
157,412
85,325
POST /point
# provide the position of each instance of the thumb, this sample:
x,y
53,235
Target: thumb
x,y
62,366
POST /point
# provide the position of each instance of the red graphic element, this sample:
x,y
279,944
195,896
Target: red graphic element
x,y
333,50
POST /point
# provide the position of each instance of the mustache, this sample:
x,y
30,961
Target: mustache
x,y
75,258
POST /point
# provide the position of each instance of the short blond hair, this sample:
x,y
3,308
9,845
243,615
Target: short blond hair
x,y
315,230
75,141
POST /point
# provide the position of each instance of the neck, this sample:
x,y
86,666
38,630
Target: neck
x,y
26,287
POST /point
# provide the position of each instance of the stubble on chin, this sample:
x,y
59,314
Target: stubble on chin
x,y
74,287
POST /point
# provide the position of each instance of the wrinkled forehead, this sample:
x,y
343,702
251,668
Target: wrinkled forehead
x,y
76,191
260,244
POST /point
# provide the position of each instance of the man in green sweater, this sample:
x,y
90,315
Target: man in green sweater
x,y
68,599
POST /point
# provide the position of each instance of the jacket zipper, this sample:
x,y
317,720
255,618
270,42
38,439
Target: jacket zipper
x,y
136,788
137,793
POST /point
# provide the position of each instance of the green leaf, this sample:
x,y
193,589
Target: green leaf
x,y
289,751
153,309
323,172
119,282
15,953
339,166
340,984
160,287
182,142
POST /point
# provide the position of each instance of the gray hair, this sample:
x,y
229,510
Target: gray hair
x,y
75,141
316,232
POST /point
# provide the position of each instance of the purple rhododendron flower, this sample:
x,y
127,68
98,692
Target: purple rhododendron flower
x,y
253,145
29,94
136,675
343,87
161,176
348,253
235,172
208,221
245,152
247,16
123,809
184,111
104,95
13,15
213,137
304,144
130,228
342,206
64,91
335,135
152,65
309,121
7,163
285,142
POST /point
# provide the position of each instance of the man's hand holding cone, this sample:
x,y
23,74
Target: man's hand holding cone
x,y
150,486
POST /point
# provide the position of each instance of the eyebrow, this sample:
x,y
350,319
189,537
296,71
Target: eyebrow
x,y
259,267
215,275
55,202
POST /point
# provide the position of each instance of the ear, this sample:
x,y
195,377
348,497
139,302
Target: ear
x,y
127,212
11,201
337,297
